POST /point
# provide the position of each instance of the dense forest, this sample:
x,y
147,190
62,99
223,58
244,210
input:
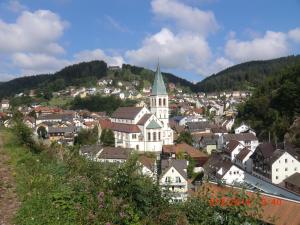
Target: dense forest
x,y
98,103
82,74
274,105
246,75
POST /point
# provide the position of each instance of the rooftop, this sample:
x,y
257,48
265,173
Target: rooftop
x,y
126,112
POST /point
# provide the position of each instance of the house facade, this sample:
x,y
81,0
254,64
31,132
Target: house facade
x,y
174,178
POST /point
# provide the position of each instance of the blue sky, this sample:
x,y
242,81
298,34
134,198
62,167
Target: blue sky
x,y
191,38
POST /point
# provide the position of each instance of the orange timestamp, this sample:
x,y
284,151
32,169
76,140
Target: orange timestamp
x,y
226,201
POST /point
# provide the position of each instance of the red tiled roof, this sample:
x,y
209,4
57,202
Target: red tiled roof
x,y
147,161
126,112
105,124
126,128
183,147
284,211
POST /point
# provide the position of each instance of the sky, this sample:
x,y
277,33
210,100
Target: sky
x,y
191,38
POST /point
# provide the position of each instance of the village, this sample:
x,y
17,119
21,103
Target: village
x,y
181,139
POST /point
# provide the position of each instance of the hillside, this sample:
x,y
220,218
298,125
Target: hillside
x,y
274,105
246,75
82,74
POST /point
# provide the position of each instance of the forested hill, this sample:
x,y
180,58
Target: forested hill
x,y
274,106
82,74
246,75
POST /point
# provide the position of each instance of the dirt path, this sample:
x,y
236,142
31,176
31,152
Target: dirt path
x,y
8,198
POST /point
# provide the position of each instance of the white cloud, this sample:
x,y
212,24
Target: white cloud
x,y
116,25
295,34
98,54
175,51
36,63
187,18
15,6
32,32
271,45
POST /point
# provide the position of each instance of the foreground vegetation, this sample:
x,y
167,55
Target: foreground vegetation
x,y
58,186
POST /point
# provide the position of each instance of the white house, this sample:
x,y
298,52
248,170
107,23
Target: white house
x,y
274,165
247,139
232,149
4,104
243,128
174,178
284,165
219,168
148,166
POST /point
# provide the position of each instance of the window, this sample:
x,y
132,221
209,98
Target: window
x,y
137,147
164,102
285,160
178,180
295,168
168,179
149,136
133,136
154,136
286,169
159,136
159,102
276,177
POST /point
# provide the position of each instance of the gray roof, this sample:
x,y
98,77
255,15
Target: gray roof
x,y
90,150
70,129
197,126
153,125
294,179
179,164
240,137
158,87
56,116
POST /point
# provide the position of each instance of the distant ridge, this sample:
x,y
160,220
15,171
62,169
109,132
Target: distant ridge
x,y
245,75
81,74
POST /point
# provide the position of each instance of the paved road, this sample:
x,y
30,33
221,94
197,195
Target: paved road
x,y
8,198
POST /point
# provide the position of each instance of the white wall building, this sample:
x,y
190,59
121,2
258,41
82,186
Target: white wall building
x,y
174,178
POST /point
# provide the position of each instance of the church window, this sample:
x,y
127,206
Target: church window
x,y
164,102
154,136
149,136
159,102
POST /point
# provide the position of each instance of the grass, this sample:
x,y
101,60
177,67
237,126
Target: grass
x,y
60,101
51,191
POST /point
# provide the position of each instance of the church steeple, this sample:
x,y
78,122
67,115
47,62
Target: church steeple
x,y
158,87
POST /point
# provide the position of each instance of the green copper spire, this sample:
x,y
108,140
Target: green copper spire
x,y
158,87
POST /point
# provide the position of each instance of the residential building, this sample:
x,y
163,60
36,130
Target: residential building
x,y
274,165
247,139
174,178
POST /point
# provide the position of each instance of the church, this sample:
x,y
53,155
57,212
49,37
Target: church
x,y
142,129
